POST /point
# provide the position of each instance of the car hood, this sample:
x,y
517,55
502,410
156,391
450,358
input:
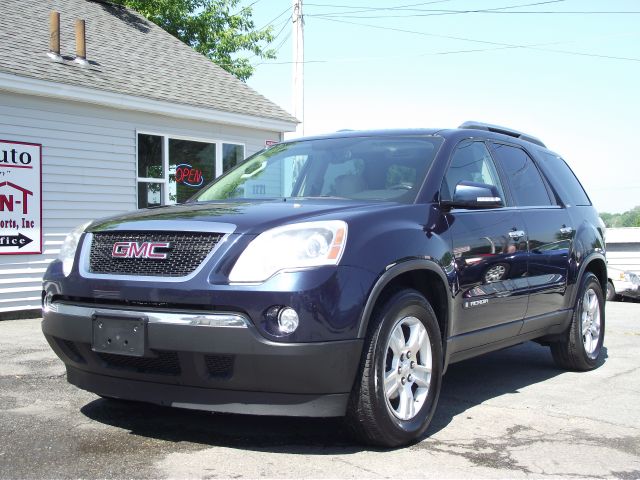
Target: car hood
x,y
254,216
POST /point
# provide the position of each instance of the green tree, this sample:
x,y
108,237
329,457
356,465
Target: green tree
x,y
218,29
607,218
630,218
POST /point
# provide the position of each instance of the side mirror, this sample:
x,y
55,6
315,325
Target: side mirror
x,y
474,195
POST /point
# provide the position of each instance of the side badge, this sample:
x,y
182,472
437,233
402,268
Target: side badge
x,y
475,303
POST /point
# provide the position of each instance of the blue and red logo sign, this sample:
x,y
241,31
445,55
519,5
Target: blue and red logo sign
x,y
189,176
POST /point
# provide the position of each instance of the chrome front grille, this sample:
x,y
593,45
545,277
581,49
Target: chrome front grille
x,y
185,253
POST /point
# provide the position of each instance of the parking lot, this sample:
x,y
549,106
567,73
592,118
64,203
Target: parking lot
x,y
509,414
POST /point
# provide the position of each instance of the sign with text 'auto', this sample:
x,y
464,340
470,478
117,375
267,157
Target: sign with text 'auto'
x,y
20,198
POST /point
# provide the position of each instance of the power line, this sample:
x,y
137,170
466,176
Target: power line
x,y
245,8
372,9
568,12
360,59
439,12
376,8
401,30
284,40
432,12
508,45
584,54
275,19
284,24
456,12
277,49
456,52
495,46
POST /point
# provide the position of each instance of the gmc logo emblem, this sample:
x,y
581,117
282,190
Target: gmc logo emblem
x,y
140,250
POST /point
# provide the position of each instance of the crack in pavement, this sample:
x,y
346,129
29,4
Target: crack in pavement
x,y
498,452
485,453
359,467
619,374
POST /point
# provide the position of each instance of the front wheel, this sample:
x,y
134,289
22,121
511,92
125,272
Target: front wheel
x,y
397,389
581,348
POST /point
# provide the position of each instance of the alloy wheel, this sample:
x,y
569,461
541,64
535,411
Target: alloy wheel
x,y
590,322
408,367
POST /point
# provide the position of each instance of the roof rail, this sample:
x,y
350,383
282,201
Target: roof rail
x,y
504,130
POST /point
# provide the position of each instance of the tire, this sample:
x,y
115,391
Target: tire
x,y
581,348
397,348
611,291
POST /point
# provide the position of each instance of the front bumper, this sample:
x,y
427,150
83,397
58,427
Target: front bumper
x,y
328,299
627,289
216,362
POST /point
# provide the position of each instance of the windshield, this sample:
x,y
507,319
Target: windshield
x,y
362,168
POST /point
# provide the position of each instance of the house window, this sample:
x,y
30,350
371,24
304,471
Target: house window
x,y
231,155
150,171
171,170
191,166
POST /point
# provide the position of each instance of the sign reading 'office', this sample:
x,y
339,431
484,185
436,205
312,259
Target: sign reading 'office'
x,y
20,198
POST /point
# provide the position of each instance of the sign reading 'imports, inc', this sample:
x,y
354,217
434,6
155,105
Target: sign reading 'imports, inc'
x,y
20,198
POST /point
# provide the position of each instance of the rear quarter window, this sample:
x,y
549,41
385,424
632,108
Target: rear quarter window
x,y
564,180
527,186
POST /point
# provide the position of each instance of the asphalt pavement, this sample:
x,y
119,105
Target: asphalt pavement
x,y
508,414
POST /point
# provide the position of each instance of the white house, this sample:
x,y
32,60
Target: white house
x,y
139,119
623,248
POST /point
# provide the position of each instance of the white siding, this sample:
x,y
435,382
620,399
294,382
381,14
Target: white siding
x,y
624,256
88,171
623,248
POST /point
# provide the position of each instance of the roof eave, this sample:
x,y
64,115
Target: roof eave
x,y
32,86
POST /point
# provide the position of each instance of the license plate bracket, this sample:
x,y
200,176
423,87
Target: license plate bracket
x,y
119,335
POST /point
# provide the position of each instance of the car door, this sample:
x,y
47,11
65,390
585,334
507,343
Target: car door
x,y
549,232
490,251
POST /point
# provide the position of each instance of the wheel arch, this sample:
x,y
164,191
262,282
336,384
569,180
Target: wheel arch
x,y
595,263
423,275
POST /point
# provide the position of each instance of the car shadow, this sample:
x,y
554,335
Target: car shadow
x,y
321,436
465,385
504,372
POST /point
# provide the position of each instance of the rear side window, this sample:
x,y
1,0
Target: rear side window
x,y
527,187
564,180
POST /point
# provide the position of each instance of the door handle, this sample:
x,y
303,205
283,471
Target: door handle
x,y
566,230
516,234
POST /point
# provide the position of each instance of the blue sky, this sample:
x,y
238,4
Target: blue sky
x,y
583,104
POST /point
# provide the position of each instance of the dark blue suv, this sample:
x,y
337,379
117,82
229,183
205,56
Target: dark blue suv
x,y
336,276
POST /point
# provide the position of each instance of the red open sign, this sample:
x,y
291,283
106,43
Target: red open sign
x,y
188,175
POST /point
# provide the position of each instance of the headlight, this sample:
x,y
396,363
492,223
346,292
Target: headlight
x,y
69,246
300,245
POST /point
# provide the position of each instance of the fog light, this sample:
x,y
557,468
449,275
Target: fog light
x,y
288,320
47,302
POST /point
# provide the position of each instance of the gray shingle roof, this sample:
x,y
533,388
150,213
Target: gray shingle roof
x,y
128,54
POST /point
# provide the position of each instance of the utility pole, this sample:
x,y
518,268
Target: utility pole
x,y
298,65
